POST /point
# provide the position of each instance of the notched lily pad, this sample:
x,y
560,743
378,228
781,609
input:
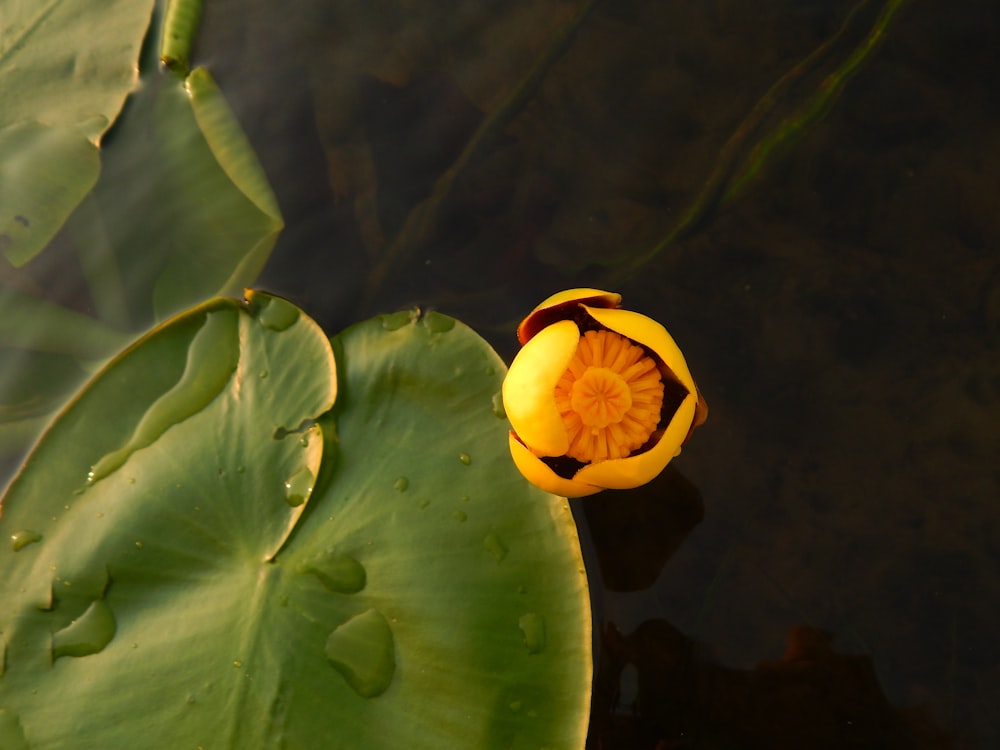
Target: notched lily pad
x,y
245,570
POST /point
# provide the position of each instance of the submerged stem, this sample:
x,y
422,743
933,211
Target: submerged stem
x,y
423,222
740,160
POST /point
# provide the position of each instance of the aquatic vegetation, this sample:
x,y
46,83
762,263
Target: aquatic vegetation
x,y
241,533
598,397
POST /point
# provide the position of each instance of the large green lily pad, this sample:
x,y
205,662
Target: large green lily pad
x,y
202,591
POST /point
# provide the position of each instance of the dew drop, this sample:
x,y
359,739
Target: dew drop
x,y
395,321
237,663
212,356
262,374
138,545
275,313
87,634
465,458
364,652
337,572
495,546
299,486
424,503
24,537
460,515
240,469
497,405
11,735
533,628
438,323
401,484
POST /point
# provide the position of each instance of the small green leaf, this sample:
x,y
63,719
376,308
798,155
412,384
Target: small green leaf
x,y
45,172
229,144
65,70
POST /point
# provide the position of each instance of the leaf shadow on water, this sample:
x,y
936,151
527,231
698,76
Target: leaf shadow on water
x,y
656,687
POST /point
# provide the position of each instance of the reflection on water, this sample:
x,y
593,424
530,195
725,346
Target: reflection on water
x,y
656,687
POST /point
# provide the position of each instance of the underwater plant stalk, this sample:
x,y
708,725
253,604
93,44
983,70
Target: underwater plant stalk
x,y
422,223
738,163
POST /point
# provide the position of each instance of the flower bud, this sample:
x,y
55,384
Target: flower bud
x,y
598,397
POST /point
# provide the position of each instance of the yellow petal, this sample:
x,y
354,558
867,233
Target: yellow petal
x,y
625,473
539,474
530,386
562,306
584,295
649,333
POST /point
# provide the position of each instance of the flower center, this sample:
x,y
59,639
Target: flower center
x,y
600,397
609,397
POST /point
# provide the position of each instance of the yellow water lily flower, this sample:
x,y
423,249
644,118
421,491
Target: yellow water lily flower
x,y
599,397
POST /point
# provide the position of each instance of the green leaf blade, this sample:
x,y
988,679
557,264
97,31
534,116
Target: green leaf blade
x,y
218,610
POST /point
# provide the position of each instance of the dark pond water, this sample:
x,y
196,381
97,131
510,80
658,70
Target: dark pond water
x,y
820,566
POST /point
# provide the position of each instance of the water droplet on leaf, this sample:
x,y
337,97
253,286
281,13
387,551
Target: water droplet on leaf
x,y
495,546
401,484
460,515
337,572
299,486
24,537
438,323
275,313
497,405
87,634
395,321
364,652
533,628
212,357
465,458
